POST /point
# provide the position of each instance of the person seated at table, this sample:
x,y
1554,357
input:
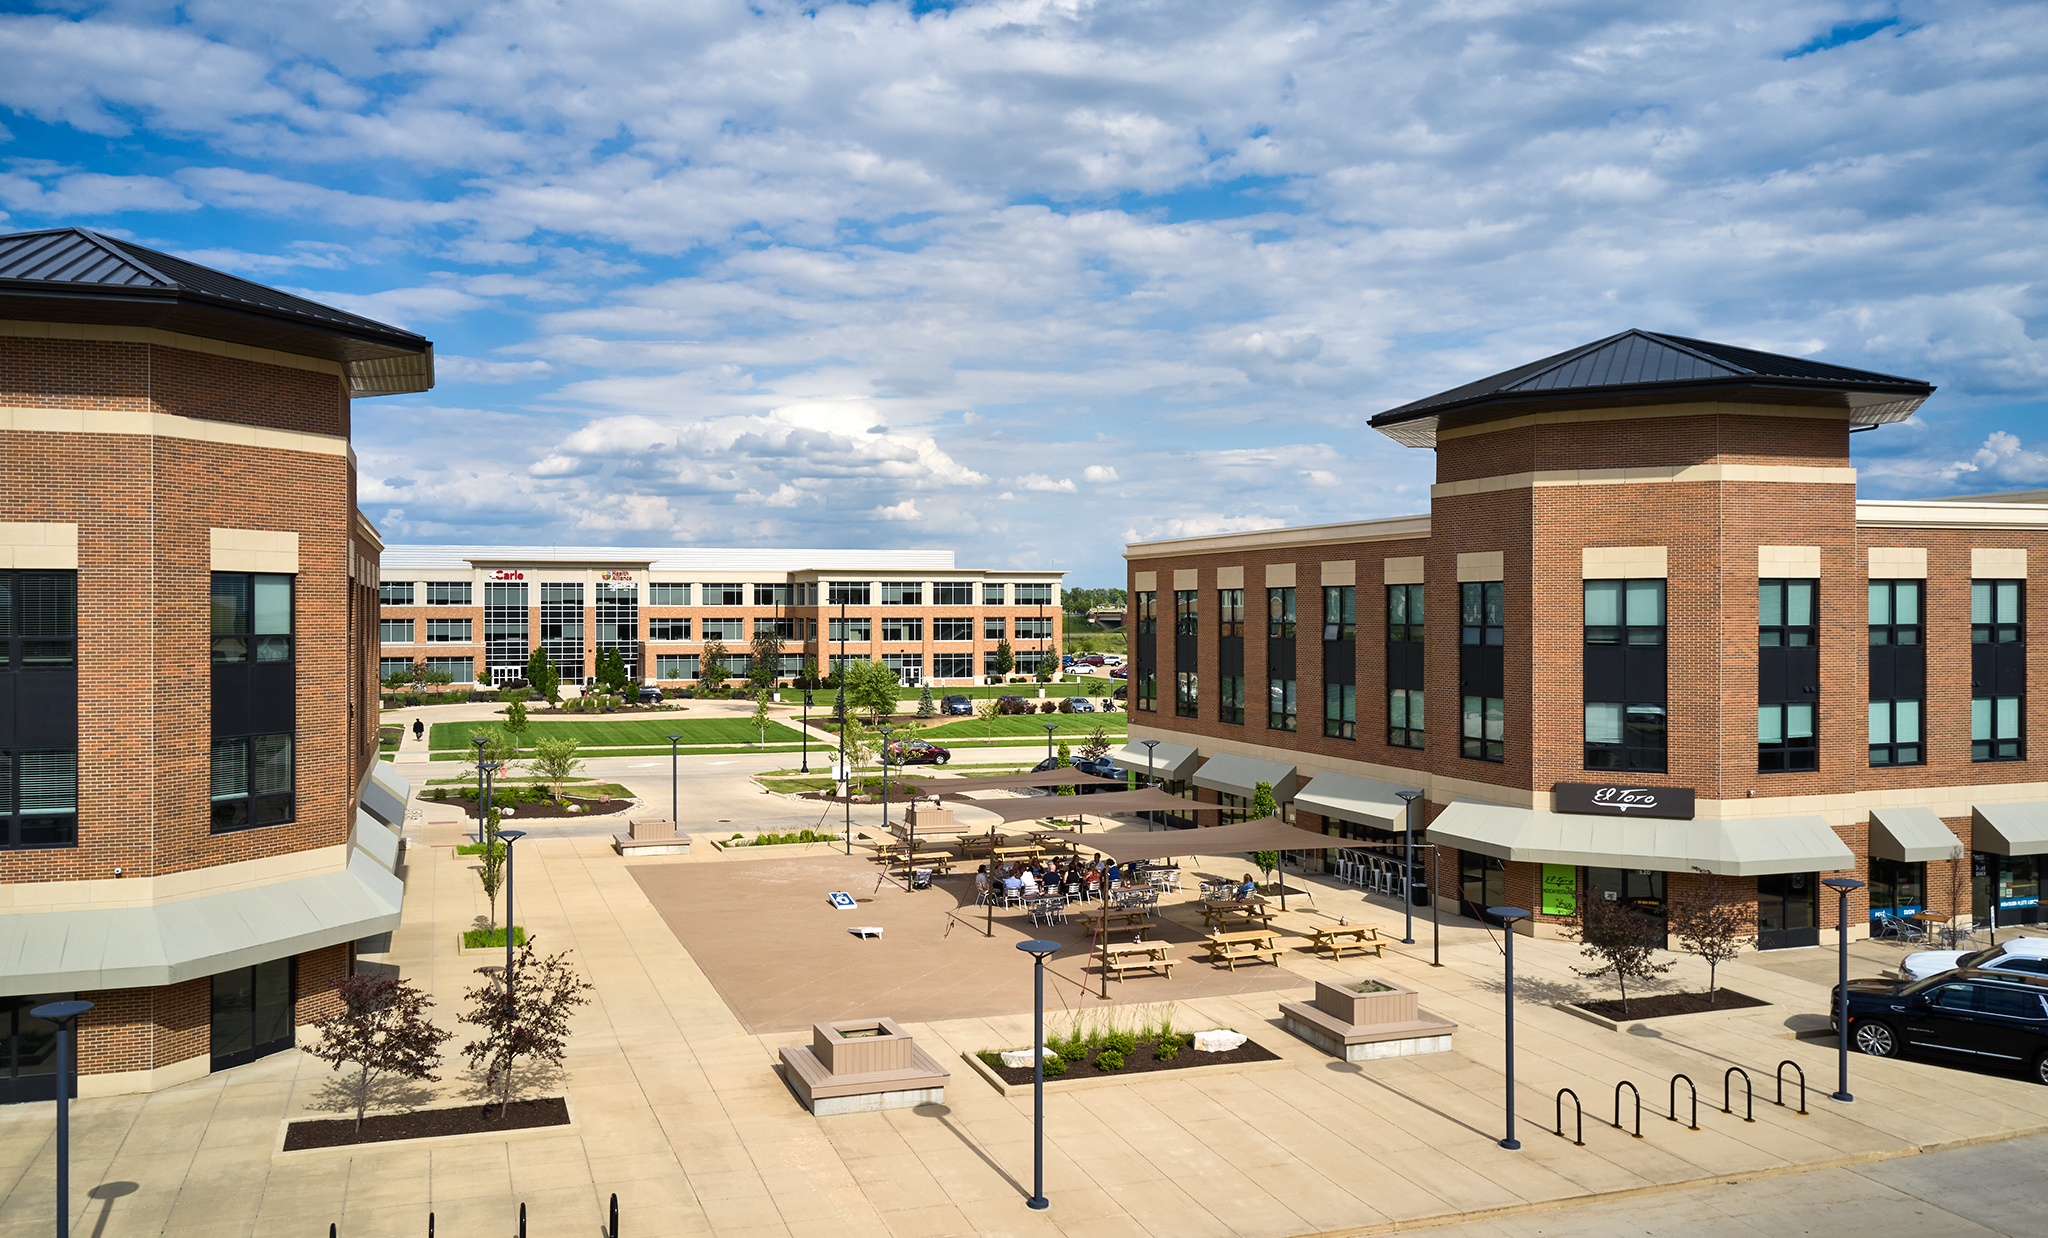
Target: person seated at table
x,y
981,880
1013,884
1028,880
1091,877
1248,888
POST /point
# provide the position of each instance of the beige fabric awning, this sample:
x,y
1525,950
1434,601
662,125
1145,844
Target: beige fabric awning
x,y
2010,829
1235,775
1740,848
1170,762
1363,801
1910,835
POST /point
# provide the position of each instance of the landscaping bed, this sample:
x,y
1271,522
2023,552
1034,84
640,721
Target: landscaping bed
x,y
427,1124
1665,1005
529,810
1142,1060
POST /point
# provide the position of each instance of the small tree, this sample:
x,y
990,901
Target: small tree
x,y
542,674
483,676
810,675
515,723
711,669
523,1016
871,688
1263,806
424,676
1712,928
760,718
492,873
611,671
1096,747
1615,936
381,1029
1066,761
555,762
988,710
1006,659
926,707
767,651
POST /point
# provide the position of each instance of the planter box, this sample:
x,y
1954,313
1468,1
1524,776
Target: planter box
x,y
1346,1004
1360,1027
862,1066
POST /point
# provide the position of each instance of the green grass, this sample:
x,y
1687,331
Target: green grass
x,y
979,693
477,939
1070,726
462,787
455,736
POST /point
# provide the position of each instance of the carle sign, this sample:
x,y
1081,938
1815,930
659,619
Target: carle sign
x,y
1623,800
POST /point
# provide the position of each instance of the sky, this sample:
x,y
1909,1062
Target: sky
x,y
1029,279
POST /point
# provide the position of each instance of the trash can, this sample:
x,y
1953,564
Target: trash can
x,y
921,879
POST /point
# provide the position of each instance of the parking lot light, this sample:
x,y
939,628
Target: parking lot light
x,y
1841,886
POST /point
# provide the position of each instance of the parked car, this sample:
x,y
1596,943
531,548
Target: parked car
x,y
1969,1014
1119,673
1082,705
957,704
2022,954
649,693
917,752
1105,768
1123,691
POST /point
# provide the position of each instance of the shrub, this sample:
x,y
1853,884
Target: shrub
x,y
1046,707
1066,704
1056,1066
439,794
1121,1042
989,1057
1168,1049
1109,1059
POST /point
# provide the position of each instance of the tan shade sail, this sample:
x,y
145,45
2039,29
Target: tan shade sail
x,y
1098,805
1013,782
1362,801
1910,835
1235,775
1742,848
1265,834
1169,761
2010,829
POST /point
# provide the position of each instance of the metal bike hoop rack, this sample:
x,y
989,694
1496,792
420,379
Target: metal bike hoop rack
x,y
1780,1073
1639,1106
1578,1111
522,1220
1748,1092
614,1231
430,1225
1673,1100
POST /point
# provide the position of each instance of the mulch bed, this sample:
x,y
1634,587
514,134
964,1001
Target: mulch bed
x,y
426,1124
1664,1005
1140,1062
529,810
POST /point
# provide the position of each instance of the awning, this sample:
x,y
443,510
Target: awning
x,y
1265,834
1740,848
1168,761
1362,801
377,840
2010,829
1235,775
384,794
1911,835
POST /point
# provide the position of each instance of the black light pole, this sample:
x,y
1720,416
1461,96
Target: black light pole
x,y
1436,928
62,1014
483,809
1050,727
480,741
1041,951
1842,886
508,837
839,707
1151,818
1508,916
807,732
1408,894
675,816
910,858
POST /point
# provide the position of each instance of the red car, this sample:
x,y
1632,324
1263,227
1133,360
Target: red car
x,y
1091,659
1119,673
917,752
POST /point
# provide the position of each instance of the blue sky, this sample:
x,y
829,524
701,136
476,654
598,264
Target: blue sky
x,y
1027,279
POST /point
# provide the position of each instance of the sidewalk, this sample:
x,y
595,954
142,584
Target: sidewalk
x,y
680,1113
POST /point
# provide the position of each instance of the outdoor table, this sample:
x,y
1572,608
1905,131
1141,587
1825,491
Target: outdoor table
x,y
1220,913
1118,958
1360,937
1224,947
1016,853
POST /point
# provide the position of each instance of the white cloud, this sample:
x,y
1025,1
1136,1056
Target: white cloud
x,y
1100,474
1039,481
2003,458
906,510
450,368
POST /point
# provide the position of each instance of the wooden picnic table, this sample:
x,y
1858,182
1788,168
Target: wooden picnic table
x,y
1119,958
1360,937
1217,914
1224,947
1015,853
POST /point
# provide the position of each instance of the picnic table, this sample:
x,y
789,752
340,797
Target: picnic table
x,y
1360,937
1015,853
1121,919
940,861
1244,944
1216,913
1118,958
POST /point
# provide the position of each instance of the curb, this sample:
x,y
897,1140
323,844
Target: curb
x,y
995,1081
1623,1025
277,1152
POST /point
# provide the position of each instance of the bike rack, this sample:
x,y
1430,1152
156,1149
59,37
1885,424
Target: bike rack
x,y
1780,1073
1695,1101
430,1225
1578,1111
614,1233
1639,1106
522,1221
1727,1084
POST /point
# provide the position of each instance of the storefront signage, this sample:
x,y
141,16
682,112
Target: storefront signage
x,y
1560,889
615,576
1622,800
508,575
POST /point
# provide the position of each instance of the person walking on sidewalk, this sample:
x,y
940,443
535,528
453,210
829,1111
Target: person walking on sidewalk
x,y
419,730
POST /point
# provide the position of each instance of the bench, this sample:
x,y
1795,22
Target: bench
x,y
1116,960
1225,947
1361,937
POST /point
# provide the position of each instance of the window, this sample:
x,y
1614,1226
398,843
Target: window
x,y
1147,690
455,631
39,624
387,667
38,798
1028,659
1340,711
561,627
1895,612
1994,612
1404,613
1484,728
1186,616
458,670
617,615
848,593
992,627
991,595
1482,615
789,665
389,632
843,629
668,629
988,663
732,631
1785,614
952,593
448,593
1232,809
1034,629
839,662
1618,612
394,594
1280,613
1998,670
1230,612
1625,737
952,629
505,639
738,665
902,593
251,782
781,629
1186,694
254,700
1404,717
252,1013
902,628
909,667
1624,675
1230,699
1280,704
771,595
675,666
665,593
1034,595
1897,888
725,595
1995,728
1340,612
1785,739
953,666
1148,613
1895,737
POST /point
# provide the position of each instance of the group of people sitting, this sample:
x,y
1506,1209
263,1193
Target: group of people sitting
x,y
1030,878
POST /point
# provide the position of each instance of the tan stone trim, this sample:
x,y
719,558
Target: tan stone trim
x,y
1482,565
1279,575
1393,528
1340,572
1186,578
255,550
30,897
1230,578
1623,563
1546,478
128,1082
1928,514
1576,416
1898,563
1989,564
39,545
1402,571
168,339
165,425
1145,582
1788,562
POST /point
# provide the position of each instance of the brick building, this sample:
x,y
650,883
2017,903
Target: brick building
x,y
187,661
470,609
1646,643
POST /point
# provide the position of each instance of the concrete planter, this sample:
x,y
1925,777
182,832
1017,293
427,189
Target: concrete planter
x,y
1359,1027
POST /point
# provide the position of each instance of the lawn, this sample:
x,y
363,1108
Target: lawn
x,y
1070,725
454,736
1089,687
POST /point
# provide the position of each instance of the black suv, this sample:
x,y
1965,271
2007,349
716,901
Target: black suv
x,y
1986,1016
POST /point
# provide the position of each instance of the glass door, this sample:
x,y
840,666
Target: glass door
x,y
1638,889
1787,911
252,1013
1484,882
28,1050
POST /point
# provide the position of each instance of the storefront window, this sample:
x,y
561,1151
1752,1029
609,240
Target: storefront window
x,y
1897,888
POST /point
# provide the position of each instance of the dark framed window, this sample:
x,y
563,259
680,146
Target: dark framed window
x,y
944,665
1280,704
1232,809
837,593
1624,682
1404,717
853,631
786,629
952,629
1340,711
1895,736
455,631
1034,595
1618,612
38,709
668,593
251,776
1340,612
38,798
1785,611
1280,613
252,782
394,593
1147,690
28,1050
448,593
1625,737
1148,612
505,632
1995,609
1028,627
668,629
1482,614
1230,612
561,626
1404,613
899,628
1998,670
993,627
991,595
1785,739
1995,729
252,1012
952,593
1230,699
1895,616
1897,888
732,594
902,593
1186,694
1186,612
1483,728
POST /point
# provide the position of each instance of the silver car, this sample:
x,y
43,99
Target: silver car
x,y
2022,954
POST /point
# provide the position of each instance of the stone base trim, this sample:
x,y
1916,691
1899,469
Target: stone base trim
x,y
1367,1042
824,1093
127,1082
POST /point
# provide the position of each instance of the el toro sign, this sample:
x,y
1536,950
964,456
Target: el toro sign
x,y
1622,800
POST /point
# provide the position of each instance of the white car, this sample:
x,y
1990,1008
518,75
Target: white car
x,y
2022,954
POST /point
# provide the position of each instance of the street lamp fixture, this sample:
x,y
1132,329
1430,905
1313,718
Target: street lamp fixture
x,y
490,797
508,837
1408,882
1842,886
1041,951
1508,916
675,817
1050,727
1151,818
65,1015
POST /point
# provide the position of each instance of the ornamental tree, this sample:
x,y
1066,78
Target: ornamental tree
x,y
541,673
530,1022
1617,937
381,1029
1716,929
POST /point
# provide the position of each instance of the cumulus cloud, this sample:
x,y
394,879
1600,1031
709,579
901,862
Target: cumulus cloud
x,y
1100,474
906,510
1039,481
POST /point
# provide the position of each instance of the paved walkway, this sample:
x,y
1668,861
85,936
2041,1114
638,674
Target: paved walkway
x,y
679,1110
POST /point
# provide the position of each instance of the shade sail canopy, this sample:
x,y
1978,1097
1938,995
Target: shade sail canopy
x,y
1910,835
1169,761
2010,829
1265,834
1145,800
1235,775
954,787
1741,848
1363,801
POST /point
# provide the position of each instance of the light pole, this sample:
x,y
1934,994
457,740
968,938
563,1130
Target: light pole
x,y
807,732
1408,891
509,837
1842,886
1151,818
1041,951
1050,727
63,1014
480,741
1507,917
839,707
483,809
910,857
675,816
